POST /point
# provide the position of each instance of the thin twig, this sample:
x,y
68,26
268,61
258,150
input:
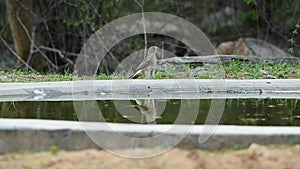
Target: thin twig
x,y
100,40
27,8
60,53
233,17
28,35
31,44
15,54
144,27
50,38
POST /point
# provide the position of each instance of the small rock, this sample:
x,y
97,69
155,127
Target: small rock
x,y
198,71
251,47
263,72
280,75
257,150
271,77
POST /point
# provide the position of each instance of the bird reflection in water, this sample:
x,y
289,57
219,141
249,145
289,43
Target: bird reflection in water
x,y
147,109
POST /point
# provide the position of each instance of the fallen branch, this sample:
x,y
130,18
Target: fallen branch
x,y
218,59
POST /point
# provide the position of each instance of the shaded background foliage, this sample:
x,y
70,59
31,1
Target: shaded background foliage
x,y
60,27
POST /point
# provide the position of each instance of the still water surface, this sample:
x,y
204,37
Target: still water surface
x,y
279,112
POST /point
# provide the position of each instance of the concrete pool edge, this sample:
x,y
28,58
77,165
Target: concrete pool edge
x,y
157,89
40,135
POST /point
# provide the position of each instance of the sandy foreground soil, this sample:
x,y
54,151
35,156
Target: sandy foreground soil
x,y
255,157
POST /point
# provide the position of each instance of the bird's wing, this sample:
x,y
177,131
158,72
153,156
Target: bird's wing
x,y
144,64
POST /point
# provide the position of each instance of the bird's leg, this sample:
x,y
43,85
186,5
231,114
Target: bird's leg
x,y
153,72
148,73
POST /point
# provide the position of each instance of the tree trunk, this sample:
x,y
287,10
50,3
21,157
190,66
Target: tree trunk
x,y
20,22
21,18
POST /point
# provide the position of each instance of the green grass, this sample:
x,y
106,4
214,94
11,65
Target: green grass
x,y
232,70
54,150
241,70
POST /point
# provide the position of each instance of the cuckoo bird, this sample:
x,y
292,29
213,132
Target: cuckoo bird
x,y
148,64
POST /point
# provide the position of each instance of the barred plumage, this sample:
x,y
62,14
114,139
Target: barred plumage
x,y
147,66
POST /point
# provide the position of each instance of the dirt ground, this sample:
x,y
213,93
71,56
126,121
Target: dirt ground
x,y
255,157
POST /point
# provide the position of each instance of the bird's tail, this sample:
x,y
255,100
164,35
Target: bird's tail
x,y
135,75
